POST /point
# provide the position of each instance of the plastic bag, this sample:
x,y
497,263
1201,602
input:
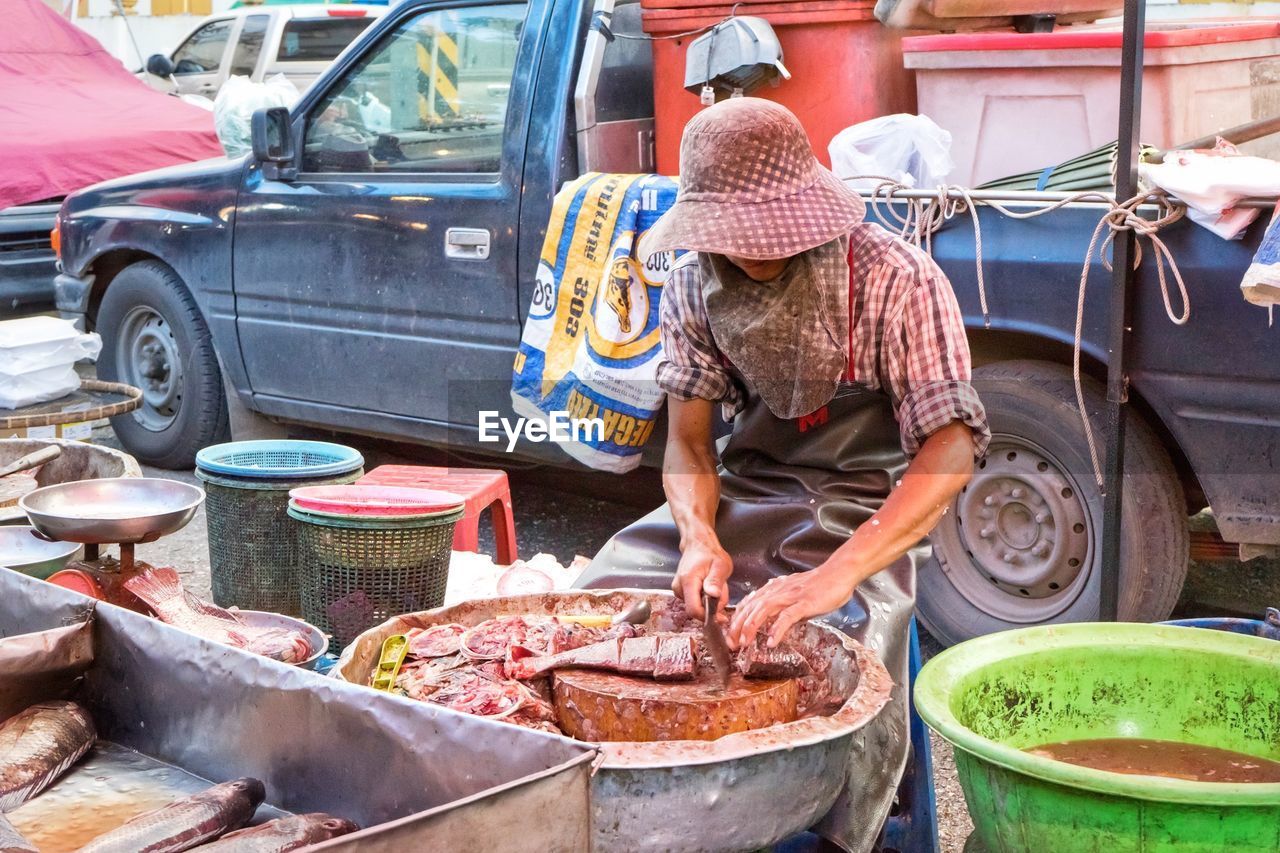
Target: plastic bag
x,y
908,148
237,101
38,357
1211,181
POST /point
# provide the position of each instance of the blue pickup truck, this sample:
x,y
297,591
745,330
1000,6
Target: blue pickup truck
x,y
367,269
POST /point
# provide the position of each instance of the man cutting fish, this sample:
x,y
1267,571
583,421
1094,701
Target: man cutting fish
x,y
839,353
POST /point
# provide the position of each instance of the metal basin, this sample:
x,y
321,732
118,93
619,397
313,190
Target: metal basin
x,y
262,619
741,792
79,461
102,512
23,551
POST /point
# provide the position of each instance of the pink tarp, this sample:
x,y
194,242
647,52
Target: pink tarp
x,y
71,115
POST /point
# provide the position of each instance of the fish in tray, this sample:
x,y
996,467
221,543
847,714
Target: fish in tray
x,y
281,835
672,657
38,745
185,823
161,590
11,841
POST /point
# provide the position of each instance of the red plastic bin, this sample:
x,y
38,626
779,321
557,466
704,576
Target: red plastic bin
x,y
845,66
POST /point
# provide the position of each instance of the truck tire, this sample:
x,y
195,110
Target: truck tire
x,y
1021,544
155,338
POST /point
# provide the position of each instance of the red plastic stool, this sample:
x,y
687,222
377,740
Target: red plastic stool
x,y
483,488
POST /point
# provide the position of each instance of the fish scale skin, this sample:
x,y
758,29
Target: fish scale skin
x,y
282,835
38,745
183,824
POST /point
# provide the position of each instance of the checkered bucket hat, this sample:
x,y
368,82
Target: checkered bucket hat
x,y
750,186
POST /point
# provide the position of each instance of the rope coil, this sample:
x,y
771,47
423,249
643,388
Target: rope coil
x,y
921,217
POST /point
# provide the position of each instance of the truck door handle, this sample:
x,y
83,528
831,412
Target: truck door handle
x,y
469,244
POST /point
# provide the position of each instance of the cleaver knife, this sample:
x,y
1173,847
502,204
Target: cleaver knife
x,y
713,636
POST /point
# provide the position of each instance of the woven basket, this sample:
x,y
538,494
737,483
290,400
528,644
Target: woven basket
x,y
253,549
359,572
253,552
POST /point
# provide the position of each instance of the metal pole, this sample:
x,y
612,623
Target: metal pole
x,y
1118,319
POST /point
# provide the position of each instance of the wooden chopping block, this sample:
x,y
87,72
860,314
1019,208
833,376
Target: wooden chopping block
x,y
603,706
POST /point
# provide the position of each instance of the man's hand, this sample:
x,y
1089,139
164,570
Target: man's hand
x,y
941,468
784,601
704,567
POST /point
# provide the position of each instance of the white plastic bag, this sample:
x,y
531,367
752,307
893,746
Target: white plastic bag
x,y
38,357
237,101
908,148
1211,181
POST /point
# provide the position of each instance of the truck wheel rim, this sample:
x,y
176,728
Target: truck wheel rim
x,y
1019,542
149,357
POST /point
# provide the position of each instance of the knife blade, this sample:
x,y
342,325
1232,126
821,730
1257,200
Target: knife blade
x,y
713,636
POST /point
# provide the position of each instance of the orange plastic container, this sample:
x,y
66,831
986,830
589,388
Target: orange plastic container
x,y
845,66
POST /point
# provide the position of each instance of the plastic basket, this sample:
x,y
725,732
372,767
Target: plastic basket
x,y
253,549
358,572
380,501
294,460
368,515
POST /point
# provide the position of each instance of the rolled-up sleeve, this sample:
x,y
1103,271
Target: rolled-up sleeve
x,y
691,366
930,365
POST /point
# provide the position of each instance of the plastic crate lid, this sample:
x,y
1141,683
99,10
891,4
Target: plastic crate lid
x,y
279,459
1082,38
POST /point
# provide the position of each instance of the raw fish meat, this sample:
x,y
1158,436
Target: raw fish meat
x,y
670,657
757,660
186,823
282,835
161,590
435,642
38,745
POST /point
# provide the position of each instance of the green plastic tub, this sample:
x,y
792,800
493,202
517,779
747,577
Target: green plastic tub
x,y
996,695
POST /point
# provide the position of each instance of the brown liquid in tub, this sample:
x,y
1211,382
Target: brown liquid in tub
x,y
1166,758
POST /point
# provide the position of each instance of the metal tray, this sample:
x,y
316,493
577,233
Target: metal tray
x,y
419,778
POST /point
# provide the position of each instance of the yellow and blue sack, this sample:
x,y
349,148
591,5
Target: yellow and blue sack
x,y
591,343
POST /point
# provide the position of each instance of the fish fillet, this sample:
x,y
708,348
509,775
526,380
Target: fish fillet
x,y
38,745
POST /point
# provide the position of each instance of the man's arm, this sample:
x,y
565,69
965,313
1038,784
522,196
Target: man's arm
x,y
941,468
693,492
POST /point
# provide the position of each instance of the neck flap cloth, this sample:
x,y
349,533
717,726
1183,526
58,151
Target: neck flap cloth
x,y
789,336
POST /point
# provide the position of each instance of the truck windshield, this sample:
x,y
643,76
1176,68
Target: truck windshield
x,y
430,97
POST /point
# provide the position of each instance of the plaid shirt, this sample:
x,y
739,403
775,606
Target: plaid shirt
x,y
907,339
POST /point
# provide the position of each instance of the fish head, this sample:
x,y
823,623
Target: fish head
x,y
336,826
252,789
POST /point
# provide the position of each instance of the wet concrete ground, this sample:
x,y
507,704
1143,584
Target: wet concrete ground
x,y
565,513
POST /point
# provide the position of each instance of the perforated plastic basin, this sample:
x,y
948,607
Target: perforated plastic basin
x,y
284,459
997,695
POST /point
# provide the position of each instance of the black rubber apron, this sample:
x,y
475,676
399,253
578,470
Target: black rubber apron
x,y
792,491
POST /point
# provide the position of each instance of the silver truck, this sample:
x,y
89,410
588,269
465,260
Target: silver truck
x,y
259,42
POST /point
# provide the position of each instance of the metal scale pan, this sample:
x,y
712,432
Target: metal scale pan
x,y
126,511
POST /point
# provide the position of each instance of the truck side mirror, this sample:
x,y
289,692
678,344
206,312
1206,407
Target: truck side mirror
x,y
272,136
159,65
